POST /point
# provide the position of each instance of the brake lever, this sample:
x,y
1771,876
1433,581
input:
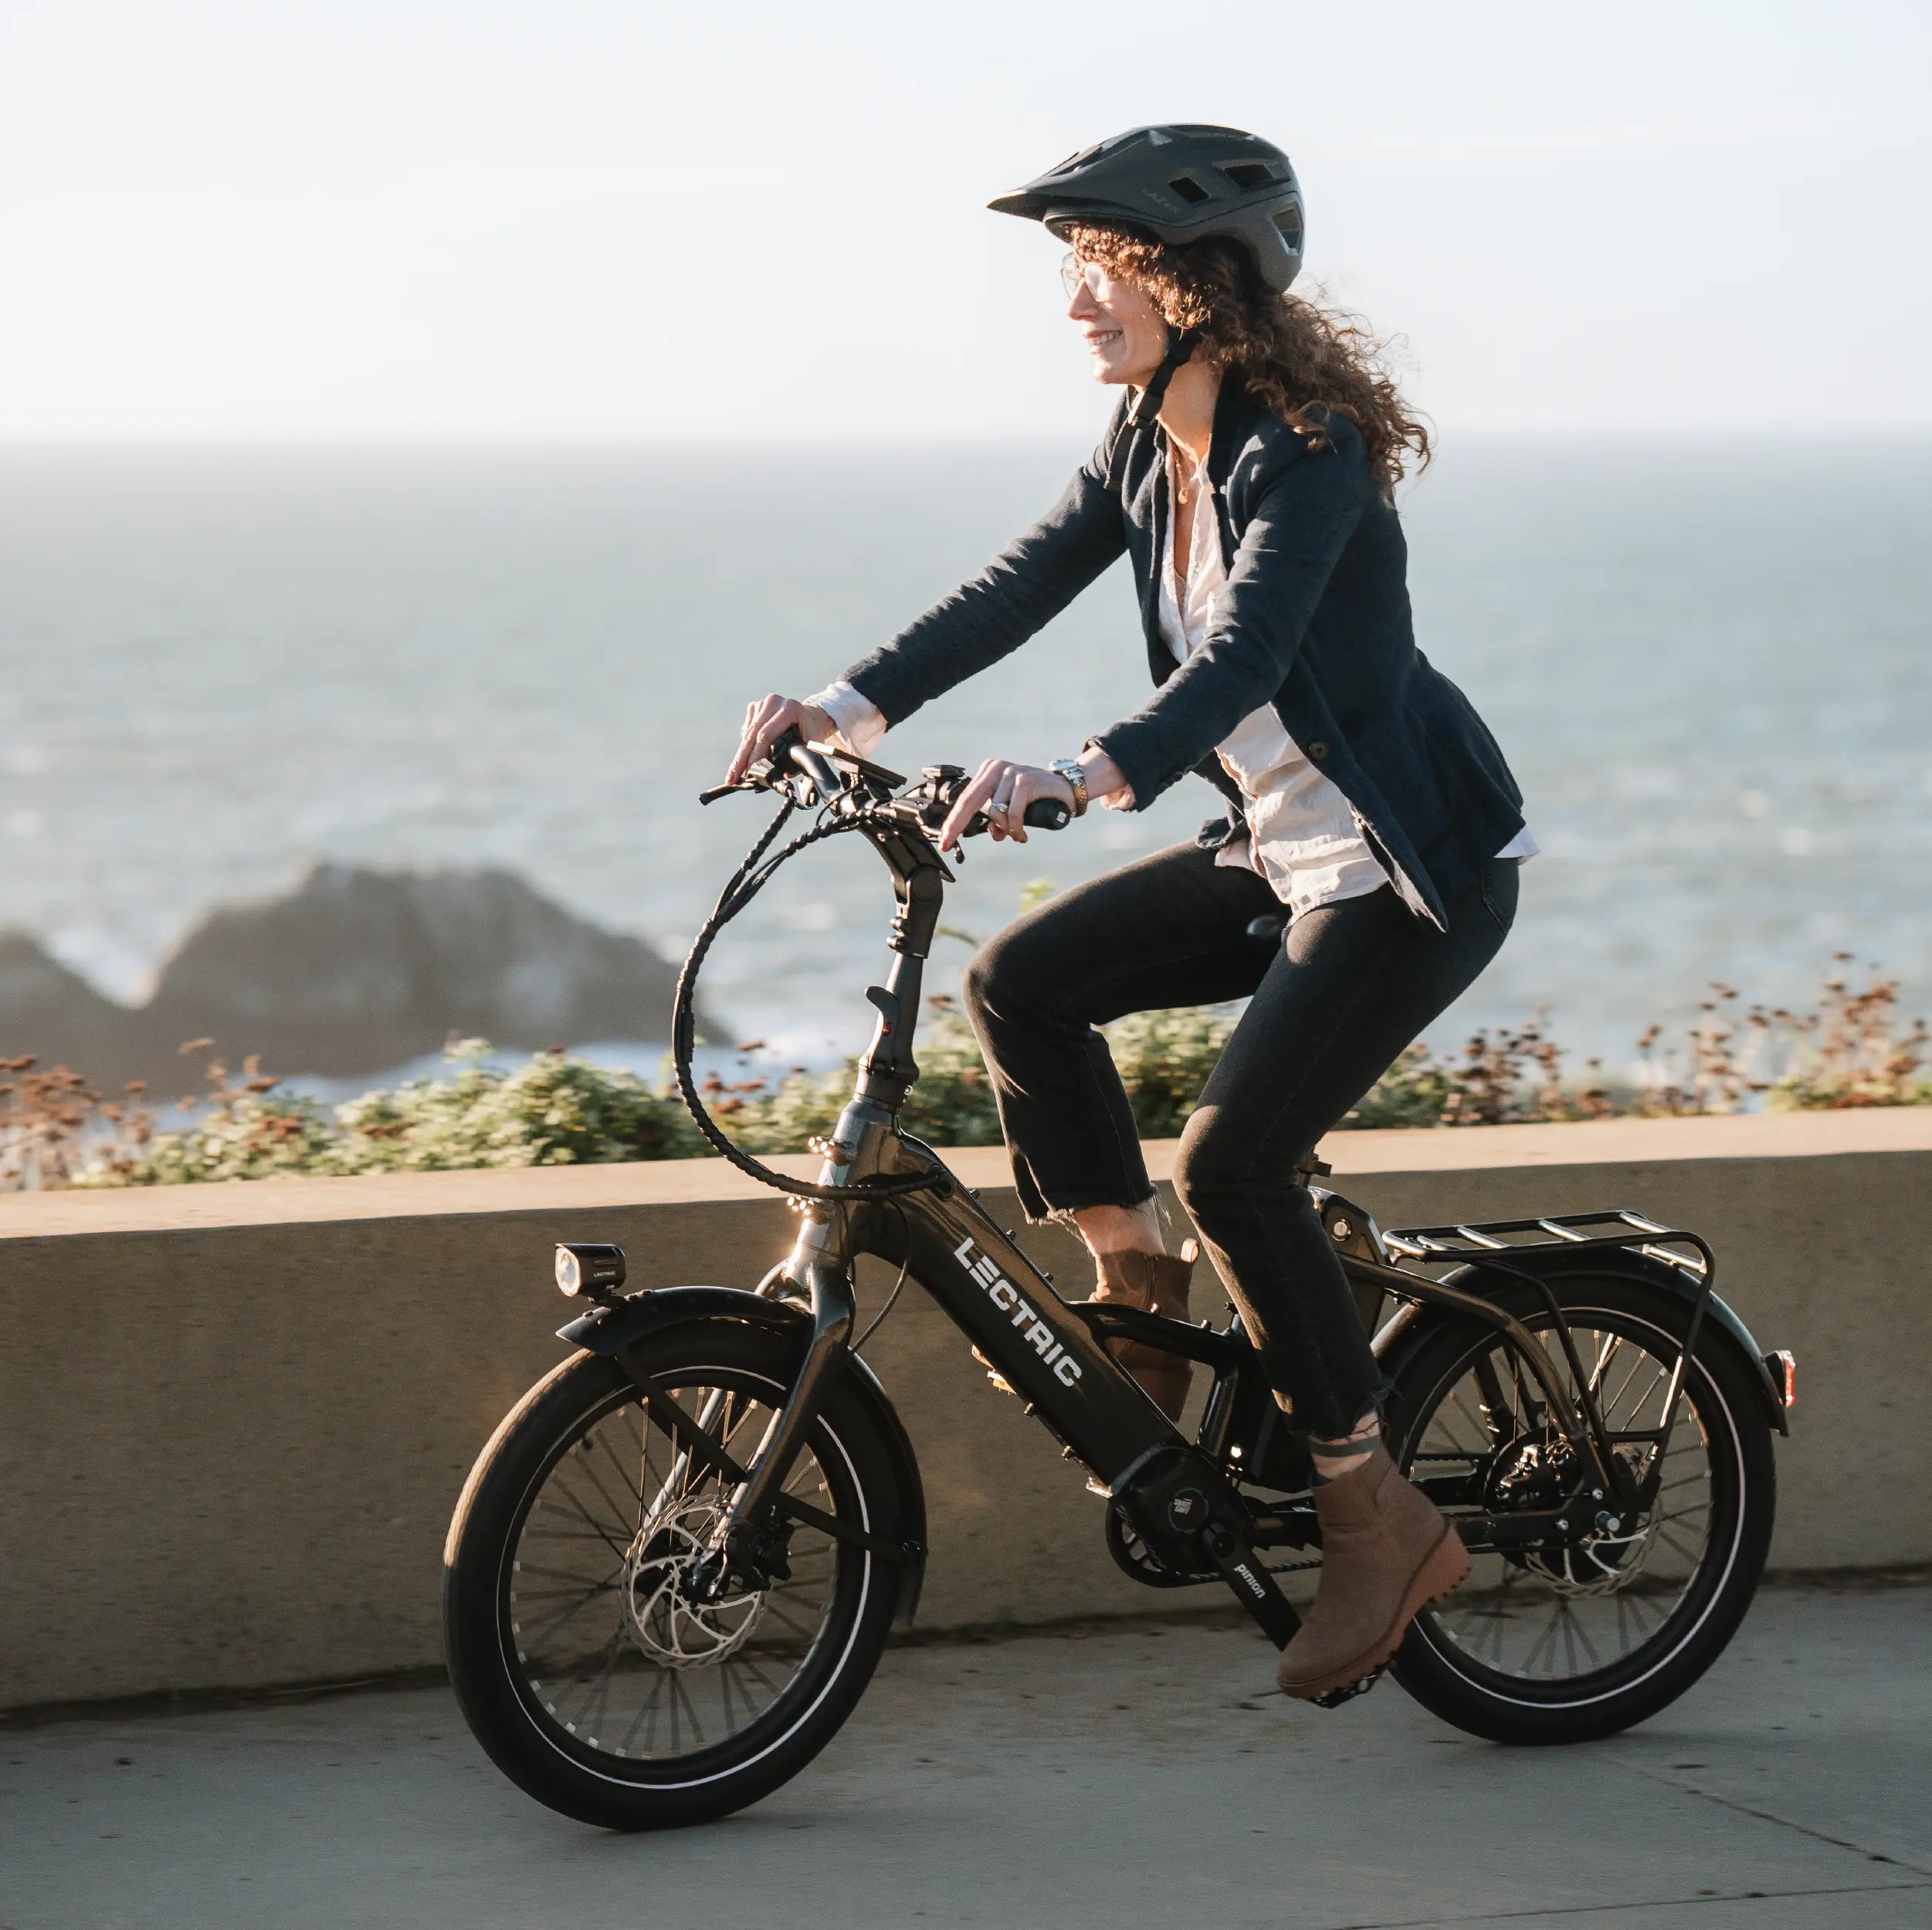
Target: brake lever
x,y
758,777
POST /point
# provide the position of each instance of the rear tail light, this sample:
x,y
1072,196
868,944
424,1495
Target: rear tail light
x,y
1782,1366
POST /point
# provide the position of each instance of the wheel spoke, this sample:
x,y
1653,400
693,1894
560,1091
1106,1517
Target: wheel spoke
x,y
529,1638
586,1468
584,1515
679,1692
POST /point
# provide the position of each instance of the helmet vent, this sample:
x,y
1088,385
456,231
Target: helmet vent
x,y
1188,188
1289,222
1250,175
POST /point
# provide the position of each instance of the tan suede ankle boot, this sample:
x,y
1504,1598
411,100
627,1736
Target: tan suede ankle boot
x,y
1386,1552
1155,1283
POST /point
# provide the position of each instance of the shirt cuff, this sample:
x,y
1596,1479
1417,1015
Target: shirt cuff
x,y
859,721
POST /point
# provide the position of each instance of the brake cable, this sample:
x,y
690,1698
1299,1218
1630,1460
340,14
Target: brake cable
x,y
746,882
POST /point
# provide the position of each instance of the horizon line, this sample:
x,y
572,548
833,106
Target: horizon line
x,y
471,442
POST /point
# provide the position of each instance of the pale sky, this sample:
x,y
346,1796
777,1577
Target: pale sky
x,y
414,219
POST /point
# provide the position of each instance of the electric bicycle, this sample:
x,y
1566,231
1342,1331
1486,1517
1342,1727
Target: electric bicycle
x,y
673,1567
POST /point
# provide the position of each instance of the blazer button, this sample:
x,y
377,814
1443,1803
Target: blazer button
x,y
1318,751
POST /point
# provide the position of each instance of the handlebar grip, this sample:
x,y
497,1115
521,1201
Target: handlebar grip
x,y
1046,814
789,748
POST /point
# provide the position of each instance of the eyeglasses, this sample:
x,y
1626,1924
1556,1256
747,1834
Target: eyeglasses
x,y
1073,272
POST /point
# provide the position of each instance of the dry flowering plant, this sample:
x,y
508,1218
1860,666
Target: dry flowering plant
x,y
1852,1049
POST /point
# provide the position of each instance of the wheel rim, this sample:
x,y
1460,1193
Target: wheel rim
x,y
612,1653
1560,1622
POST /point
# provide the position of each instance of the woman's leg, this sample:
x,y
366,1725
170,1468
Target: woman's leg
x,y
1168,930
1171,930
1353,985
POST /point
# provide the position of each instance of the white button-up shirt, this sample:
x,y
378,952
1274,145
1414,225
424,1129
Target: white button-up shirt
x,y
1302,834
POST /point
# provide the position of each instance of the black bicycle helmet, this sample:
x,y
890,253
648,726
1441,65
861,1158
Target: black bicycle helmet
x,y
1181,182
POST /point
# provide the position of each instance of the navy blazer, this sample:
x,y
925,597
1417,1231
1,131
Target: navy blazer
x,y
1314,619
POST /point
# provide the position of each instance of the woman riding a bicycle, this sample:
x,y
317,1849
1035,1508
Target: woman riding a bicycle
x,y
1364,871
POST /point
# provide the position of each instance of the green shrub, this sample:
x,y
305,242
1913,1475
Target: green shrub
x,y
554,1110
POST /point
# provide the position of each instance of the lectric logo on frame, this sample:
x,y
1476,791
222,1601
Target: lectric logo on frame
x,y
1005,1296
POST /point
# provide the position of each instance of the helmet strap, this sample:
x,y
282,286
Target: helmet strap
x,y
1182,344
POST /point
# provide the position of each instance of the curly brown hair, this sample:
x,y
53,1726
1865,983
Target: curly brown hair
x,y
1307,363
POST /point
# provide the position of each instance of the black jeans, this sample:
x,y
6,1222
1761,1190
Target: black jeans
x,y
1333,1003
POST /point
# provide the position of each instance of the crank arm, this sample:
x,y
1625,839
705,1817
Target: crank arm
x,y
1290,1527
1251,1584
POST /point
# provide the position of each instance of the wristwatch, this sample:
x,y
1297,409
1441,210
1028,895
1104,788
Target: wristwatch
x,y
1070,769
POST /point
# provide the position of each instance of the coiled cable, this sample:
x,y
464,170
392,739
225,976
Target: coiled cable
x,y
746,882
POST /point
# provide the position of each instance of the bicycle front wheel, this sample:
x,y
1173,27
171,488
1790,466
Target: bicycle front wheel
x,y
1562,1642
593,1675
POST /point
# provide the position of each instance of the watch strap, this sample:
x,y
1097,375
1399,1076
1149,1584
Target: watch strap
x,y
1070,769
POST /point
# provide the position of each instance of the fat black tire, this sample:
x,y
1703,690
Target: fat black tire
x,y
480,1649
1449,1681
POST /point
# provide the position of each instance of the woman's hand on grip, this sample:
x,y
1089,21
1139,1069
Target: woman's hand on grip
x,y
768,719
1002,790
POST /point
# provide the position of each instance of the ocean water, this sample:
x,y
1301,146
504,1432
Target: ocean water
x,y
1708,663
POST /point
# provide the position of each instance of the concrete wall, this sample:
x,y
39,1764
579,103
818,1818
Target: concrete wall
x,y
234,1418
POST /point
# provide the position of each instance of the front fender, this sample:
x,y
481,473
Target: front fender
x,y
1399,1336
616,1330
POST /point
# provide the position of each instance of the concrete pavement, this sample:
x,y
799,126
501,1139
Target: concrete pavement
x,y
1127,1774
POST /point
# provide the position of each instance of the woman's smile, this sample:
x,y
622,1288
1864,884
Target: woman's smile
x,y
1125,335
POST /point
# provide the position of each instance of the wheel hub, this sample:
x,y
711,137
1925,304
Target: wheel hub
x,y
672,1625
1539,1471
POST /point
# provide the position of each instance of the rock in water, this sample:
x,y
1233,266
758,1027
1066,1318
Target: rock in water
x,y
357,969
57,1016
354,971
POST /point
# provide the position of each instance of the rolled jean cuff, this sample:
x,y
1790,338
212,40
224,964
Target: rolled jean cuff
x,y
1041,1211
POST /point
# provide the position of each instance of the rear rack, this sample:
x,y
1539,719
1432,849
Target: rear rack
x,y
1495,1243
1480,1240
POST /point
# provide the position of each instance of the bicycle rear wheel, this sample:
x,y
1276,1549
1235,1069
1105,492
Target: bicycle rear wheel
x,y
592,1675
1563,1642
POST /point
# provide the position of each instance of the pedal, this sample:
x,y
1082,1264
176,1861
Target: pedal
x,y
1334,1697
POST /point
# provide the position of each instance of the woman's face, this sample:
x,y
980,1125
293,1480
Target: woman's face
x,y
1127,335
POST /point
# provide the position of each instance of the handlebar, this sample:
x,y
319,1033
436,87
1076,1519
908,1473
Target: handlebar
x,y
838,778
902,822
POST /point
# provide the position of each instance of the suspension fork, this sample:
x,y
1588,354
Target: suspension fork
x,y
834,1305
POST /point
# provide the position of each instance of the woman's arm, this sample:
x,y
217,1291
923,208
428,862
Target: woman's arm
x,y
1024,587
1019,592
1301,523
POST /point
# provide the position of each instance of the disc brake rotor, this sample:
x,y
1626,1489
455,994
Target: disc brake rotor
x,y
673,1630
1533,1472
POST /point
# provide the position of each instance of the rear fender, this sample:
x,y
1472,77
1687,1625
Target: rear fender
x,y
1401,1336
617,1331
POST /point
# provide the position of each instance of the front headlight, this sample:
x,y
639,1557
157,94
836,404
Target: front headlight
x,y
588,1267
